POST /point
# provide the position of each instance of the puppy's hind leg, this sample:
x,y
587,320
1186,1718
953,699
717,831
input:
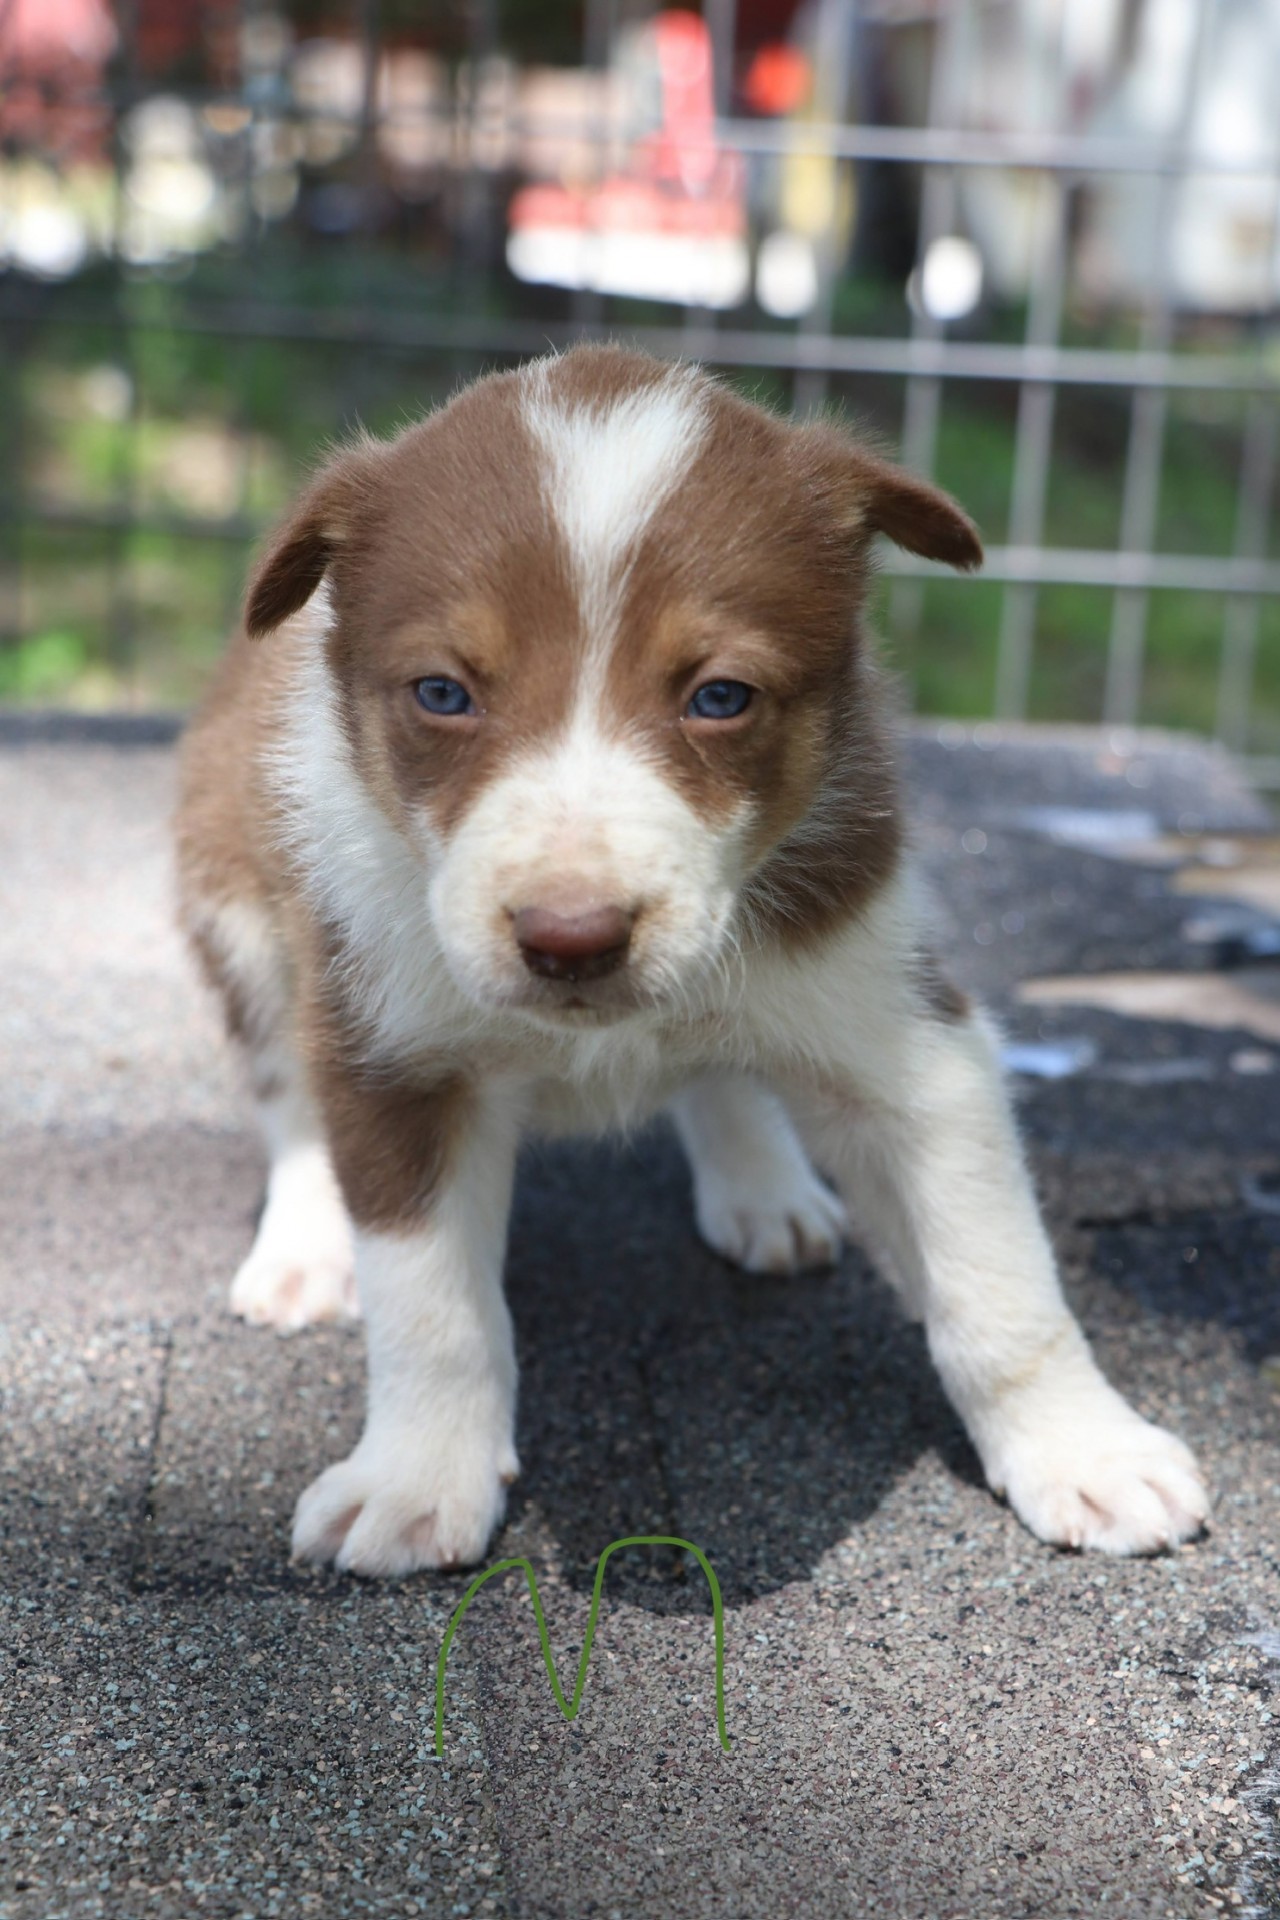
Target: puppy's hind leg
x,y
757,1200
301,1267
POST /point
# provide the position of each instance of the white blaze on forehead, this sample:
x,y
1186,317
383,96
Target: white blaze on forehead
x,y
610,469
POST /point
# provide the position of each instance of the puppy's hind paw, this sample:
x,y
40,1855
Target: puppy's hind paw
x,y
274,1290
789,1225
301,1267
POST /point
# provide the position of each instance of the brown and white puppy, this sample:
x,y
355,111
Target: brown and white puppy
x,y
547,786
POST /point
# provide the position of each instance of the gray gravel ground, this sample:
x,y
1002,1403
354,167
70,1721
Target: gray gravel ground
x,y
931,1714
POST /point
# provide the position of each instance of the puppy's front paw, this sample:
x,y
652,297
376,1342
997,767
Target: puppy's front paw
x,y
283,1291
786,1223
401,1502
1105,1479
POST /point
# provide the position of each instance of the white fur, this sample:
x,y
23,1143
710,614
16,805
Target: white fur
x,y
587,817
426,1485
608,472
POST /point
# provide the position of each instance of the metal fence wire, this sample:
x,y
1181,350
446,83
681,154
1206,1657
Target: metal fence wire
x,y
1034,242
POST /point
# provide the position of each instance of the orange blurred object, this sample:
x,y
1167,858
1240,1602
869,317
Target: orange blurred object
x,y
778,80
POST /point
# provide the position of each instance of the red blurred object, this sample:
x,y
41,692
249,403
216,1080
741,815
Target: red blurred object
x,y
683,149
52,57
45,35
679,188
625,206
777,81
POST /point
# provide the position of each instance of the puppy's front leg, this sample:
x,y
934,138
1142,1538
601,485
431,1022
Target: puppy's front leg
x,y
427,1179
925,1149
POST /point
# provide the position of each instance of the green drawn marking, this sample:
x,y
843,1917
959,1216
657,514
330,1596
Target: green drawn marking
x,y
569,1708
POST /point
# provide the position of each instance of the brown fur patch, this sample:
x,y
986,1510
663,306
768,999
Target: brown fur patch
x,y
224,852
219,799
391,1141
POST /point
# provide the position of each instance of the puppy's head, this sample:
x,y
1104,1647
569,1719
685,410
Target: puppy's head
x,y
592,638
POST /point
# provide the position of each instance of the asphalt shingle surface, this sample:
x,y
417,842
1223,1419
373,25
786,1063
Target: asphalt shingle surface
x,y
931,1714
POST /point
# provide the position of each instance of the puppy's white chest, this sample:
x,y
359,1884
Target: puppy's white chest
x,y
612,1082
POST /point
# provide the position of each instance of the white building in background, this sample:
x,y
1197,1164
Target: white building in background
x,y
1193,79
1156,74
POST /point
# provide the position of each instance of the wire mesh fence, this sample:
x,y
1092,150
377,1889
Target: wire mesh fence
x,y
1035,245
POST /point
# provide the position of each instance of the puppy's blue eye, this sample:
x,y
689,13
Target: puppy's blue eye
x,y
440,695
720,700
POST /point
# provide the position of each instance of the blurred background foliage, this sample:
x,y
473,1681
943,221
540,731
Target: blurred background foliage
x,y
153,426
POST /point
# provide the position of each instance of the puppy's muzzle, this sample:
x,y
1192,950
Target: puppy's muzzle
x,y
582,945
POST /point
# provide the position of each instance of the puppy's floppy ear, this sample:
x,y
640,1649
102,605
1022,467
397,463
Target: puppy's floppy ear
x,y
914,514
876,496
302,550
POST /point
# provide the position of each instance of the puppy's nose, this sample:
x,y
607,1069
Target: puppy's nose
x,y
570,945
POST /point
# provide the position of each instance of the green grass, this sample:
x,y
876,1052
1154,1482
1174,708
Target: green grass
x,y
221,430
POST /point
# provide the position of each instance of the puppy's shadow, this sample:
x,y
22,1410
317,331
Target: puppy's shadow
x,y
664,1392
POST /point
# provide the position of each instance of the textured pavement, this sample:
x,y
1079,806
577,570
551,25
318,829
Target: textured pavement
x,y
931,1714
